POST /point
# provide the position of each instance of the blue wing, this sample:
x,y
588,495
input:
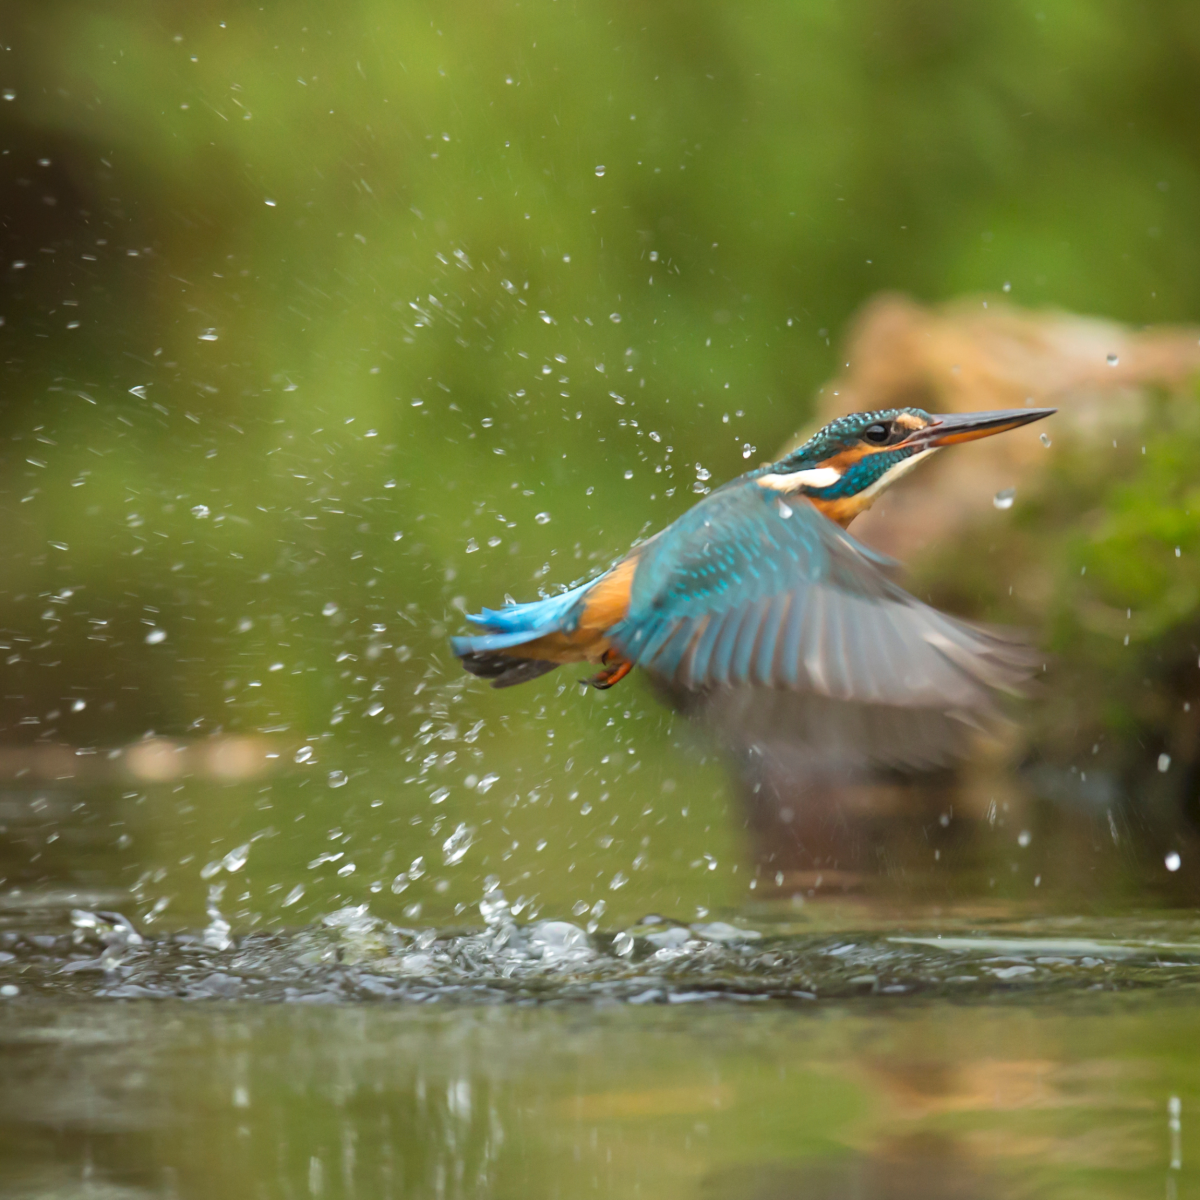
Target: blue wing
x,y
750,589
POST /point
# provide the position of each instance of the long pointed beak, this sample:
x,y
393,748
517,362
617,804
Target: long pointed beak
x,y
948,429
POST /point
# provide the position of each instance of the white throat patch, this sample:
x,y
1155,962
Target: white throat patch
x,y
815,477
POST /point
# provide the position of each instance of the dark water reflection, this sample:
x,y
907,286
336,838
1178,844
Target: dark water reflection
x,y
936,1100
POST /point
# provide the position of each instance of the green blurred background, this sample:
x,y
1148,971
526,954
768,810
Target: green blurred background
x,y
324,322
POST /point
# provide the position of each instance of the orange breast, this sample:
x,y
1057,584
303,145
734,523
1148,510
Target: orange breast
x,y
841,511
608,601
605,605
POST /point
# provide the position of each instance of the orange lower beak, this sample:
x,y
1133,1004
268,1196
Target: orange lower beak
x,y
948,429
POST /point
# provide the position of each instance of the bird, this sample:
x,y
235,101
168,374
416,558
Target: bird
x,y
758,610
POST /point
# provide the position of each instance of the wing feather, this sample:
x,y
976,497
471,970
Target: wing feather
x,y
699,673
736,594
777,615
722,655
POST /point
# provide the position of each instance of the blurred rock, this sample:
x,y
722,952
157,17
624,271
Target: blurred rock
x,y
976,354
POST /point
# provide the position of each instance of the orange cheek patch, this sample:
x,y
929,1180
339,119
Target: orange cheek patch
x,y
845,459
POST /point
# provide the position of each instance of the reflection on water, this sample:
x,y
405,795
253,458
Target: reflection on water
x,y
935,1101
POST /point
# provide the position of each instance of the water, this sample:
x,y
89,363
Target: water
x,y
852,1048
352,956
1095,1095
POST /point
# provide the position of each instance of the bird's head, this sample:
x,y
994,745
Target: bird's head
x,y
845,466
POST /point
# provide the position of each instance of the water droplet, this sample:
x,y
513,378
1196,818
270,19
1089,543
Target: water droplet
x,y
78,705
200,511
1178,551
1024,838
347,869
748,450
1112,360
1164,763
155,636
542,518
8,94
615,318
293,895
1172,862
628,474
269,203
337,779
329,609
560,942
546,317
1007,287
1044,439
455,847
600,172
1004,498
235,860
209,335
619,880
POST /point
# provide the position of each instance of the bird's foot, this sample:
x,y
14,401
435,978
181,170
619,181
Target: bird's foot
x,y
615,669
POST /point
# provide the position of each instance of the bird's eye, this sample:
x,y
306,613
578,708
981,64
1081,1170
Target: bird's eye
x,y
878,434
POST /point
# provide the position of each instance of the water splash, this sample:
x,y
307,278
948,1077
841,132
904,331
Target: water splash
x,y
455,847
217,933
351,955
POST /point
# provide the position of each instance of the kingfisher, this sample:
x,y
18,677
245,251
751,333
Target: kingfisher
x,y
758,606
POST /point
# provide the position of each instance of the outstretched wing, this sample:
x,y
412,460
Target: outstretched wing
x,y
753,598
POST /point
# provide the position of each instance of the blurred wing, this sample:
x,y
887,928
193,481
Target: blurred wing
x,y
757,599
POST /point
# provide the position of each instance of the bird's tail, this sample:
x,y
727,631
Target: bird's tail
x,y
495,655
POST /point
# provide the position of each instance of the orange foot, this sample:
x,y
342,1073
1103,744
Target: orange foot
x,y
615,669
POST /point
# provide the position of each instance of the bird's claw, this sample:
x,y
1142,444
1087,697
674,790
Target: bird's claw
x,y
613,672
